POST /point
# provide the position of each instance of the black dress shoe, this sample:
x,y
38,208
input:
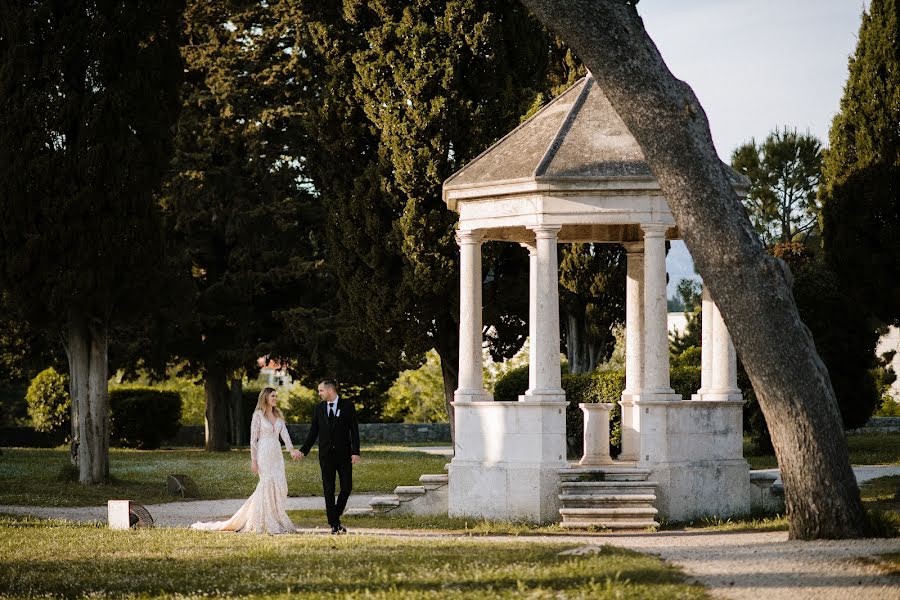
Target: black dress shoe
x,y
335,530
341,529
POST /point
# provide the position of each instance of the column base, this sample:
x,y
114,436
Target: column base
x,y
544,395
472,395
507,457
733,395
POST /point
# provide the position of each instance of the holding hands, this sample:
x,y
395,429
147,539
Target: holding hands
x,y
296,454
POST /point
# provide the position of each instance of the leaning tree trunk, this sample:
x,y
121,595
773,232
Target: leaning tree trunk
x,y
752,289
216,408
86,348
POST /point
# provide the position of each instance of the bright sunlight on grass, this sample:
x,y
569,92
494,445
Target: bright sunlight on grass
x,y
42,477
52,558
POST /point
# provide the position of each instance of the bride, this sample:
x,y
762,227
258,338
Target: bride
x,y
264,511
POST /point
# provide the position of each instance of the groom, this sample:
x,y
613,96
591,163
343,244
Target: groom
x,y
334,424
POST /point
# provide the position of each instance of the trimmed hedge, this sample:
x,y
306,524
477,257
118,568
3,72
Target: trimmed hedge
x,y
511,385
143,417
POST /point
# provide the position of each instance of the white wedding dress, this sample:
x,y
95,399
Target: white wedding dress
x,y
264,511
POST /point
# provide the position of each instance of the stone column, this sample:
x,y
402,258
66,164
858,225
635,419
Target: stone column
x,y
471,379
634,317
544,374
532,303
706,344
724,361
656,334
634,350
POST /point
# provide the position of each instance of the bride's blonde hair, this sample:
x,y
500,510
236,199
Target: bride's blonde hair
x,y
261,403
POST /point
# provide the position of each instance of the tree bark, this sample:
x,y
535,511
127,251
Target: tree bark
x,y
583,356
87,348
751,288
216,392
235,397
448,351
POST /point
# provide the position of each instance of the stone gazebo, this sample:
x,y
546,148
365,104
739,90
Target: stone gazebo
x,y
574,173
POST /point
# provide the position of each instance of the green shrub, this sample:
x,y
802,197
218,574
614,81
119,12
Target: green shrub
x,y
511,385
685,381
690,357
143,417
301,404
48,401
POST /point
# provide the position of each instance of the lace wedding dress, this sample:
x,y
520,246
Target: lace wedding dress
x,y
264,511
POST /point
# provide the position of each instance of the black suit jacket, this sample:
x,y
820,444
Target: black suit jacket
x,y
338,440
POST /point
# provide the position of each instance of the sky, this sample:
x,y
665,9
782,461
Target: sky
x,y
755,65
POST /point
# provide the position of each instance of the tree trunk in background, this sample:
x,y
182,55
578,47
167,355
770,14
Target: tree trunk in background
x,y
583,356
216,392
87,348
751,288
448,351
236,397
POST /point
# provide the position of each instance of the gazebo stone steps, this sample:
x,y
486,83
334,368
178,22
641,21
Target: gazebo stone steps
x,y
612,497
613,473
428,498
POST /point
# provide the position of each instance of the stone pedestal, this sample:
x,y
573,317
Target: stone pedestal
x,y
694,450
596,433
507,459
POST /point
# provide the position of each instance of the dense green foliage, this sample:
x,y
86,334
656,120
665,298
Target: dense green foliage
x,y
240,206
88,95
408,92
591,301
784,173
48,401
861,191
418,395
143,417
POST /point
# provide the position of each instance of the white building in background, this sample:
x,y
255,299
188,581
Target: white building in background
x,y
888,342
676,322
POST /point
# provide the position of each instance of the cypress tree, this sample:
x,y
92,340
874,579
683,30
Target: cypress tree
x,y
861,207
89,94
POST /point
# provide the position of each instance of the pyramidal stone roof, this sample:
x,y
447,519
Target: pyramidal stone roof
x,y
577,135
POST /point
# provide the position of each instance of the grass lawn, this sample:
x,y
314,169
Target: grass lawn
x,y
869,449
52,558
42,477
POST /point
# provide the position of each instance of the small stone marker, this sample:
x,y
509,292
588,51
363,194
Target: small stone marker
x,y
118,512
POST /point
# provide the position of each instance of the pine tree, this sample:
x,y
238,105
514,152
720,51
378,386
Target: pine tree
x,y
591,301
861,195
409,93
89,94
239,202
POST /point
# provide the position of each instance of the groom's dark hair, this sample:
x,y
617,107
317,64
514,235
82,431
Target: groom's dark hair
x,y
329,382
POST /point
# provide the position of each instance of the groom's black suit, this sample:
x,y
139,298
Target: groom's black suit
x,y
338,438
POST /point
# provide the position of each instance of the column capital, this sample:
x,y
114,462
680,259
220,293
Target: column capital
x,y
633,247
654,229
532,248
545,231
469,236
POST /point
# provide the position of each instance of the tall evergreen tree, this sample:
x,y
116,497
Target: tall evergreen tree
x,y
249,224
861,195
410,92
784,172
591,302
89,93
